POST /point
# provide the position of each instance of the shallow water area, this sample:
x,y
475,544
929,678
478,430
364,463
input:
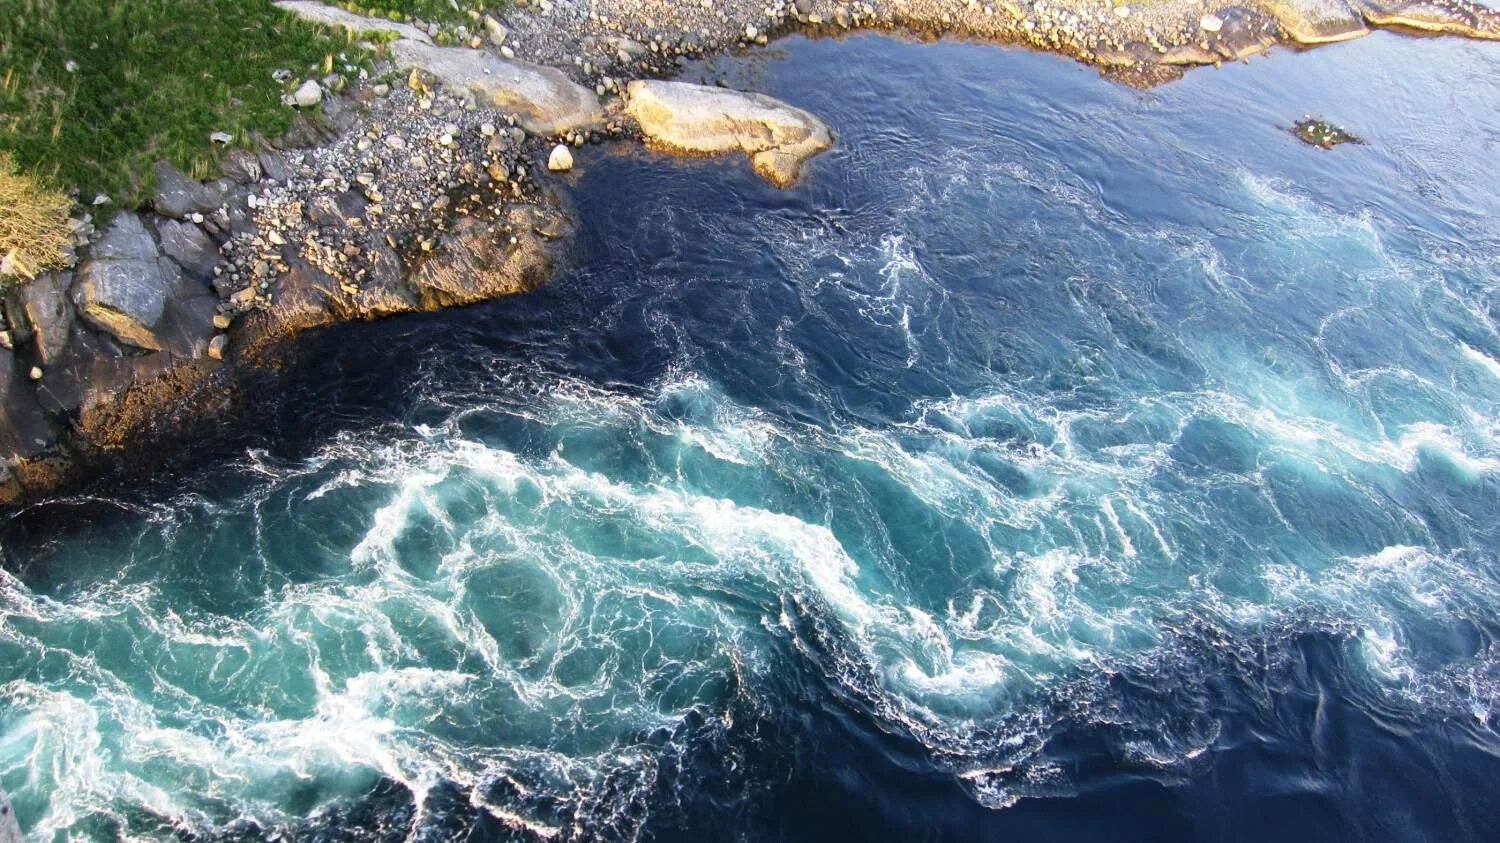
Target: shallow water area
x,y
1058,460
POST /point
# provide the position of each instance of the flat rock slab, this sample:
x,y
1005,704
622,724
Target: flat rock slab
x,y
544,99
333,16
1459,17
122,288
697,119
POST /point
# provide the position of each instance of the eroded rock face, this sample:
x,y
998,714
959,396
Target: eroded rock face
x,y
42,309
477,261
544,99
697,119
122,288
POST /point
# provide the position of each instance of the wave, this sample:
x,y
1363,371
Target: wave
x,y
527,612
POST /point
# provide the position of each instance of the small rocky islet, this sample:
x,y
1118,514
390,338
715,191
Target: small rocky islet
x,y
429,184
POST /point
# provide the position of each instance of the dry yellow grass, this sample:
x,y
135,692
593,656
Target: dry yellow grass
x,y
34,231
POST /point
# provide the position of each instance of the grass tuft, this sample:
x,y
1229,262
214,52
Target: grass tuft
x,y
34,229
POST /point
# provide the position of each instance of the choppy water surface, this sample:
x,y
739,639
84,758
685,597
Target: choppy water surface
x,y
1060,460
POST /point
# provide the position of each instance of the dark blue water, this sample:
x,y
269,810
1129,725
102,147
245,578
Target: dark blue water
x,y
1058,461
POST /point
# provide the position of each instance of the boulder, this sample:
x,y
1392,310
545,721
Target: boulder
x,y
561,159
121,289
1459,17
544,100
41,309
697,119
186,244
1314,21
308,94
178,196
241,166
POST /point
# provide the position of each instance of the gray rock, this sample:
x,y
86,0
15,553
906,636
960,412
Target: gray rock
x,y
121,288
241,166
24,431
178,196
188,324
186,244
41,309
272,165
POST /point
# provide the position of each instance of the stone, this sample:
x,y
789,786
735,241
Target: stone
x,y
241,166
308,94
272,165
698,119
561,160
189,247
217,345
495,31
220,138
43,308
1211,23
544,100
121,289
178,196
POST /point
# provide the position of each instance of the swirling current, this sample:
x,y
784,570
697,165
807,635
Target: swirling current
x,y
1059,460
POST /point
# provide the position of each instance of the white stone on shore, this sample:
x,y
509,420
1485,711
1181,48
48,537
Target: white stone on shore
x,y
309,94
1211,23
561,160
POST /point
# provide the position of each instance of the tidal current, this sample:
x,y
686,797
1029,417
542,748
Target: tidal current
x,y
1057,461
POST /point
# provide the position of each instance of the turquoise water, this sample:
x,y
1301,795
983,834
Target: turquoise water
x,y
1060,460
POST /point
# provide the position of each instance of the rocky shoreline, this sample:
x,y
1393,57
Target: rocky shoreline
x,y
428,187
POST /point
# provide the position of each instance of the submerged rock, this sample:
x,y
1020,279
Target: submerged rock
x,y
1322,134
698,119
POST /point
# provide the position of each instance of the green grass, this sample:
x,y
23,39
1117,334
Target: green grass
x,y
151,79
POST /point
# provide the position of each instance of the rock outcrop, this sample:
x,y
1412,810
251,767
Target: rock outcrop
x,y
544,100
39,312
700,120
122,288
